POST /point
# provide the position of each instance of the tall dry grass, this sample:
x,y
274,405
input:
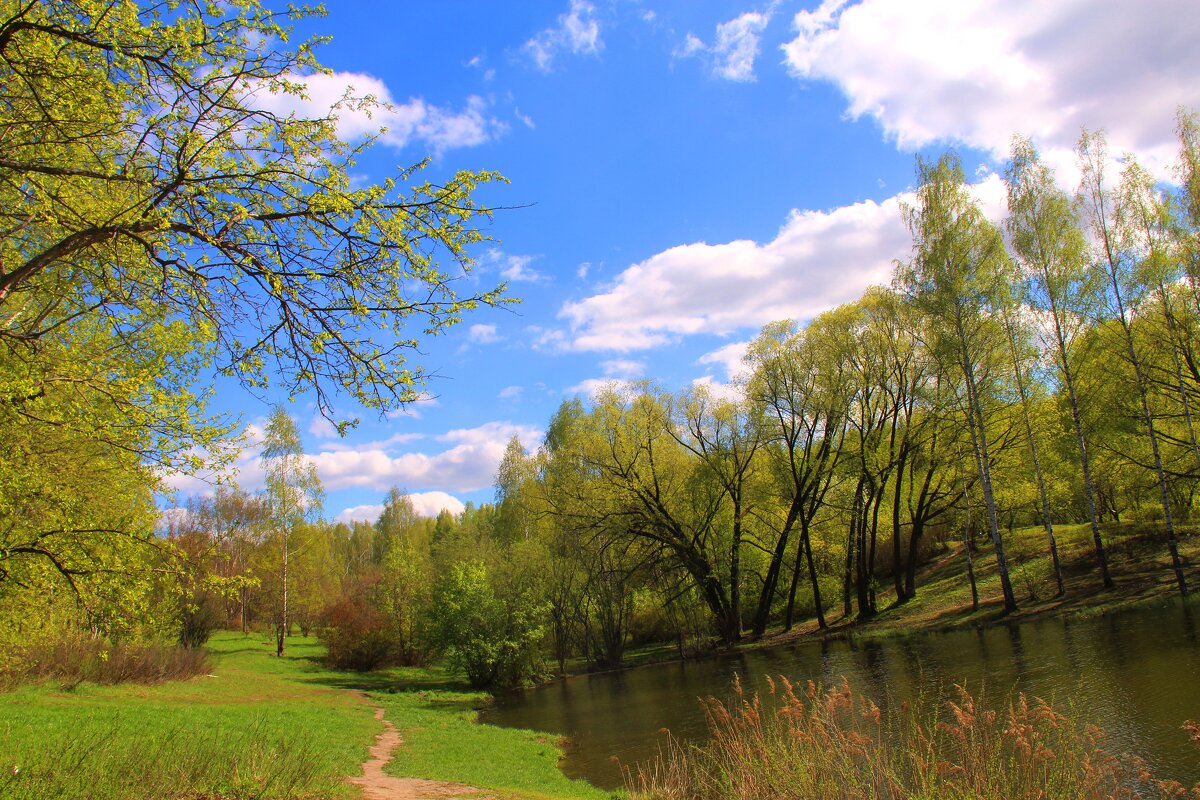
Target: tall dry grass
x,y
834,744
74,659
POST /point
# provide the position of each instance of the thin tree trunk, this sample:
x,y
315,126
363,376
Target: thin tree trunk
x,y
983,462
1047,521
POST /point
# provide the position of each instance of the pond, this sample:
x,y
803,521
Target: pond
x,y
1136,674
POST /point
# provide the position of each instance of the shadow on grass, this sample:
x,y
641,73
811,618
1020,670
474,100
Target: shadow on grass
x,y
392,680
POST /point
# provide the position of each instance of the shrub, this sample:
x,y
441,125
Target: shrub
x,y
76,658
495,640
198,618
357,635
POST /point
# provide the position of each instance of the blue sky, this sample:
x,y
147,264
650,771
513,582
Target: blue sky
x,y
684,172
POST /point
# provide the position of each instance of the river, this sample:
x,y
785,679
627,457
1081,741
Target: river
x,y
1136,674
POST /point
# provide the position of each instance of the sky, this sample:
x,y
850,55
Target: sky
x,y
682,173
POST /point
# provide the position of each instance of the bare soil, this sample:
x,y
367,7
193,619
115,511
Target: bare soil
x,y
377,785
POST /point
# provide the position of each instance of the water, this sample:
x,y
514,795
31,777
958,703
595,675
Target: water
x,y
1135,674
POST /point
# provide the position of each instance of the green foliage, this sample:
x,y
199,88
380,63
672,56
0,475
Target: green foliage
x,y
494,639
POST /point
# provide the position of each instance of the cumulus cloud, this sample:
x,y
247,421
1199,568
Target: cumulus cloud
x,y
512,393
426,504
623,368
511,267
577,31
591,387
342,93
818,260
978,72
467,464
466,461
730,358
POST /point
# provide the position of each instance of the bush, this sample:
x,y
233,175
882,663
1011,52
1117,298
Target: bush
x,y
495,640
198,618
357,636
75,658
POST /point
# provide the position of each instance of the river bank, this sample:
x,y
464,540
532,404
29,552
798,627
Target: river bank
x,y
1139,562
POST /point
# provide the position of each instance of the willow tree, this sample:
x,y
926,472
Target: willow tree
x,y
956,277
799,388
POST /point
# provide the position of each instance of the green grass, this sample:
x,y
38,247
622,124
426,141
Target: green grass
x,y
263,727
1138,560
442,742
256,727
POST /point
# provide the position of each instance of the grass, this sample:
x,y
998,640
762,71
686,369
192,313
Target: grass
x,y
262,727
1138,560
255,727
435,711
827,744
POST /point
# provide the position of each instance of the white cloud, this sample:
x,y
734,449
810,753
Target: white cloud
x,y
577,31
582,270
342,94
482,334
525,119
730,392
426,504
322,428
512,267
512,393
737,46
818,260
368,513
623,368
730,358
517,269
468,465
591,387
978,72
691,46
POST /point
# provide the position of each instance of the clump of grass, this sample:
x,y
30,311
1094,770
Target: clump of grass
x,y
834,744
74,659
186,764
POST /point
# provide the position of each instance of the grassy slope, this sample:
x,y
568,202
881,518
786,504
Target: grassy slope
x,y
288,723
1138,560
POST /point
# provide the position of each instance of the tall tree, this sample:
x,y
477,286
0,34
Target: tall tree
x,y
800,389
293,494
1109,218
1049,245
958,270
725,436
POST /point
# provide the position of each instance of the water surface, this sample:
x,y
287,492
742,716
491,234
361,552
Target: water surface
x,y
1136,674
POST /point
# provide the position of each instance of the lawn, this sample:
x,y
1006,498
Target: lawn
x,y
263,727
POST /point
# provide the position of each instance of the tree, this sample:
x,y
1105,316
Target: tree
x,y
800,389
293,494
158,222
1048,244
958,270
1109,216
143,173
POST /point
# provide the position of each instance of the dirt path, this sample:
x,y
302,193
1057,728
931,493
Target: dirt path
x,y
379,786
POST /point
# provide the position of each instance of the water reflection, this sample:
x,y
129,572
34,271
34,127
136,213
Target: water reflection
x,y
1136,674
